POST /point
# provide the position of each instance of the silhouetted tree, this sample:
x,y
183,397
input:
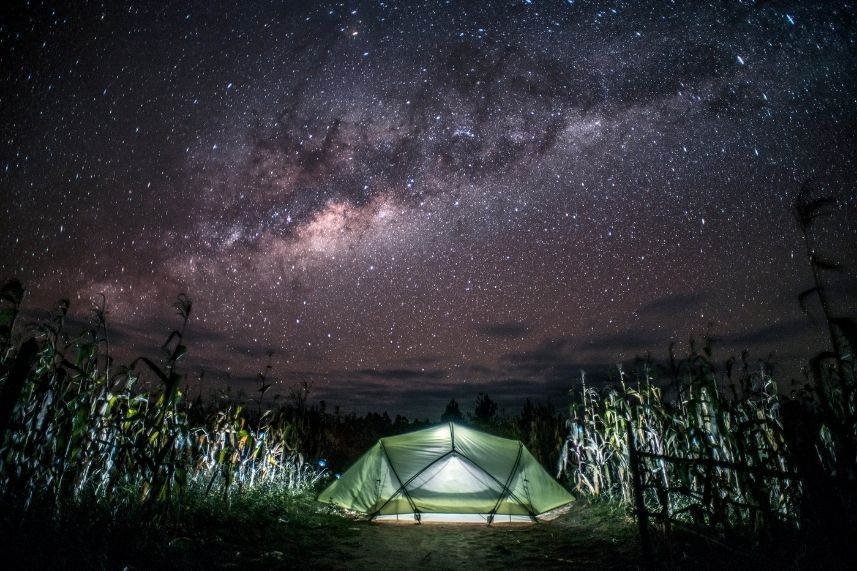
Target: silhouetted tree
x,y
485,413
541,428
452,412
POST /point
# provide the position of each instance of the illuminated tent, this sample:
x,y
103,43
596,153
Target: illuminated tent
x,y
447,473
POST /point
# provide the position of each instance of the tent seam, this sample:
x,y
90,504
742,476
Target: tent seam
x,y
402,488
511,493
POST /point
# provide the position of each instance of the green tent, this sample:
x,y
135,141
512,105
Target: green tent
x,y
447,473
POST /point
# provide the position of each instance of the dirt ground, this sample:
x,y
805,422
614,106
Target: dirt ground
x,y
590,535
583,538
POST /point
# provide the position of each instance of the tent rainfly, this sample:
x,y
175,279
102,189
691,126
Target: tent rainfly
x,y
447,473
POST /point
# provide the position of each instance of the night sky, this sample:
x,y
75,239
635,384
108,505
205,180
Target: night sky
x,y
408,202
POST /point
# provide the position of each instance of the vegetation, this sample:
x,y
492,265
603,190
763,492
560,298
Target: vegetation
x,y
78,430
717,450
97,468
727,453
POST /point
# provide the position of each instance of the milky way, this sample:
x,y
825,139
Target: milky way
x,y
411,201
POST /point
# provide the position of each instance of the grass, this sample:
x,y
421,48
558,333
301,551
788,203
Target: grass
x,y
97,471
256,529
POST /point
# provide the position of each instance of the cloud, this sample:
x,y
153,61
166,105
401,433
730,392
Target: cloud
x,y
626,340
551,361
403,374
144,337
547,356
675,66
672,304
491,106
504,329
775,333
479,370
423,400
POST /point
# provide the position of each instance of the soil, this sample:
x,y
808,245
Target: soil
x,y
590,536
568,542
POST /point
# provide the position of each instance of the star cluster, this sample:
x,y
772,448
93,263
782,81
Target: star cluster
x,y
407,201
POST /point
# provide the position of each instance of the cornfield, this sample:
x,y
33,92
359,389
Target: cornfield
x,y
76,428
727,453
716,448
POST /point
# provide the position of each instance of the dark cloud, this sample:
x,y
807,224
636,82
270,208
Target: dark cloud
x,y
429,401
626,340
552,361
403,374
547,356
504,329
680,303
491,106
427,360
480,370
674,67
777,333
76,326
734,100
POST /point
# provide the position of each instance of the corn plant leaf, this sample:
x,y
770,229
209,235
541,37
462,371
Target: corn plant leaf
x,y
803,296
183,305
12,292
174,334
7,315
806,207
179,352
813,208
848,327
157,370
824,263
817,364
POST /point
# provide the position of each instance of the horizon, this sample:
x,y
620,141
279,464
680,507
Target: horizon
x,y
242,386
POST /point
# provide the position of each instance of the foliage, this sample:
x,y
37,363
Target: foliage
x,y
80,430
452,413
726,451
701,423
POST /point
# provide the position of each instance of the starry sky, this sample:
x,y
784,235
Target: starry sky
x,y
412,201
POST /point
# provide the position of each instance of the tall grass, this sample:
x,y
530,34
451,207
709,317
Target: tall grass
x,y
79,428
720,431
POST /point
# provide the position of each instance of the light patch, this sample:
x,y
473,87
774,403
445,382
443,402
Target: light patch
x,y
329,230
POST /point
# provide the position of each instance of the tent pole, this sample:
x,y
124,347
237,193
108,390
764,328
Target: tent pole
x,y
505,489
487,473
402,488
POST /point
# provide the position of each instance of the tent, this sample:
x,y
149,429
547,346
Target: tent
x,y
447,473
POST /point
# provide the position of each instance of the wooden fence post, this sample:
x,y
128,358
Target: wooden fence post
x,y
642,515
